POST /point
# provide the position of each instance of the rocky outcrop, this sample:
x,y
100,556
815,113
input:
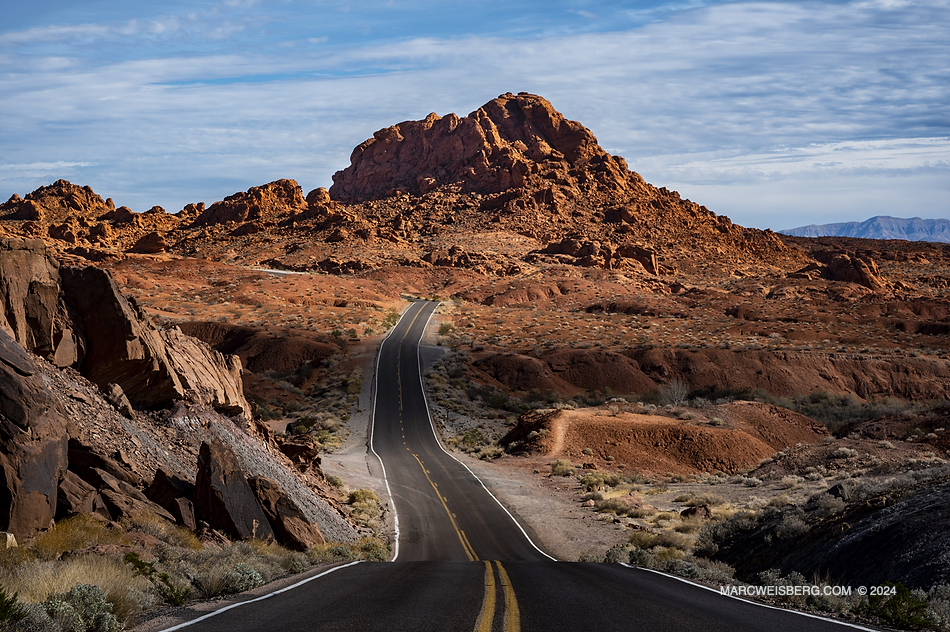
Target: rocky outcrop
x,y
491,150
152,367
33,451
150,243
78,317
291,527
302,451
267,202
595,254
223,497
56,202
33,311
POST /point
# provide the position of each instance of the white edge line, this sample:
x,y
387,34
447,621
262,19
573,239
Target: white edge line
x,y
372,434
441,447
261,598
753,603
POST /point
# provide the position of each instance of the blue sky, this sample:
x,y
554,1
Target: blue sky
x,y
777,114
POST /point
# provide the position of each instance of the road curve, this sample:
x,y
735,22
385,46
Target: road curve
x,y
444,512
464,564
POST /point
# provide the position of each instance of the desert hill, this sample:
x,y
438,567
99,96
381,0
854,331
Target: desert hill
x,y
413,193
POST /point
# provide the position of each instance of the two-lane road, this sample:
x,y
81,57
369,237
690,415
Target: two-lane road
x,y
444,512
463,563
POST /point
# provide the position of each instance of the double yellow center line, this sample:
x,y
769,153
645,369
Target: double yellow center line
x,y
469,551
486,617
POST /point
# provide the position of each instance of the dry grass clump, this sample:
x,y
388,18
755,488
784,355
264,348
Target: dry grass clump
x,y
78,532
174,535
562,467
45,572
35,581
366,510
366,548
708,498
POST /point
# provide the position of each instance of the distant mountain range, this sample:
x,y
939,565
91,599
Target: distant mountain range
x,y
880,227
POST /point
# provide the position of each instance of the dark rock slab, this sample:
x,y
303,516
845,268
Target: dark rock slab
x,y
291,527
223,497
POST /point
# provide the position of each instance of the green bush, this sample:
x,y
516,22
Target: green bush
x,y
902,610
562,467
10,610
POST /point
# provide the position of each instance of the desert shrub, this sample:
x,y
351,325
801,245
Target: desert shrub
x,y
171,591
36,581
562,467
790,482
715,533
705,499
903,609
844,453
175,535
366,548
595,480
617,554
10,609
642,539
35,619
791,526
336,481
82,609
366,509
242,577
361,496
490,452
673,393
612,505
829,505
330,554
591,557
781,501
673,540
751,481
839,411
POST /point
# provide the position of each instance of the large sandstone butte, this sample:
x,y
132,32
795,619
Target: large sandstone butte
x,y
525,167
493,149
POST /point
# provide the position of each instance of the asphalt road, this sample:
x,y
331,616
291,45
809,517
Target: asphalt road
x,y
463,563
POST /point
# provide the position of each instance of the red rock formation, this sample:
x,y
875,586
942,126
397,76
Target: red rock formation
x,y
493,149
153,367
56,202
269,201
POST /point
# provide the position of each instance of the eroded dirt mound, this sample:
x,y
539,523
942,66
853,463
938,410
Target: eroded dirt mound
x,y
778,427
655,444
